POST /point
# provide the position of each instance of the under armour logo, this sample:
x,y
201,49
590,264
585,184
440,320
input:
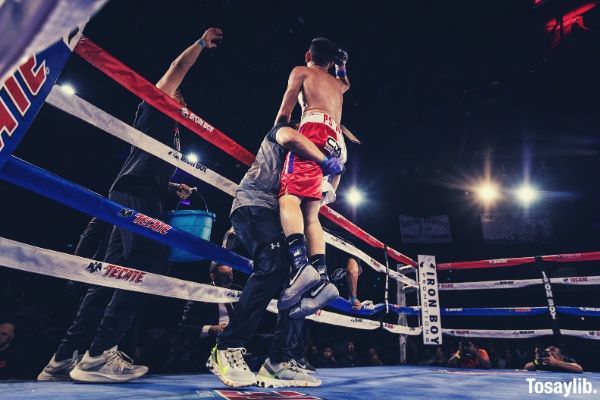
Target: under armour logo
x,y
275,245
93,267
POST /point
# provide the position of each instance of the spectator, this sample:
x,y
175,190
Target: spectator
x,y
506,359
11,366
373,357
493,354
344,270
469,356
105,314
412,352
349,358
438,359
313,355
522,354
202,322
327,359
552,359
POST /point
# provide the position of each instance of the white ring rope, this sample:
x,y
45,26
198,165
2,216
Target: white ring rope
x,y
519,283
77,107
519,333
34,259
376,265
25,257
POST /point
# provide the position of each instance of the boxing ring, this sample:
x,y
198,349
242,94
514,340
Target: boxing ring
x,y
33,85
407,382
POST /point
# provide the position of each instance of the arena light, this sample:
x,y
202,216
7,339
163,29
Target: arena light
x,y
354,196
192,158
526,194
67,89
487,192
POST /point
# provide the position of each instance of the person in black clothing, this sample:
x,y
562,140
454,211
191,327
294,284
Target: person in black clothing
x,y
201,322
11,359
349,357
327,359
94,240
255,219
552,359
344,269
142,184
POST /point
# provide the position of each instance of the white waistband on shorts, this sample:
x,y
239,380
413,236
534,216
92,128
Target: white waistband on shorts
x,y
321,118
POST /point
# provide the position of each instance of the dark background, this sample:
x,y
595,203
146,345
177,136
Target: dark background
x,y
439,90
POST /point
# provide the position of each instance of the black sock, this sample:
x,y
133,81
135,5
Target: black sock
x,y
318,261
94,352
58,357
297,251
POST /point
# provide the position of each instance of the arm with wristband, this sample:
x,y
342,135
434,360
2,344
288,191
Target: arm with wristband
x,y
179,68
341,58
352,272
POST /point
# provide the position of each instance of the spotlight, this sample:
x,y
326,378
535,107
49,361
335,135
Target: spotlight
x,y
526,194
354,196
488,192
67,89
192,158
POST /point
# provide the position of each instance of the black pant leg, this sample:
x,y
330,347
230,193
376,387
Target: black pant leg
x,y
259,229
287,338
80,333
298,340
93,305
94,240
137,252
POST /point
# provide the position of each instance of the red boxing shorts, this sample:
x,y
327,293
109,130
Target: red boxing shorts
x,y
304,178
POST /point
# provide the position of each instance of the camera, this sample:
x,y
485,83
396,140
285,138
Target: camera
x,y
541,354
464,348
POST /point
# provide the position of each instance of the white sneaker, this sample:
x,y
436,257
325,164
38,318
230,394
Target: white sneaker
x,y
305,365
59,370
230,367
110,366
317,299
285,374
305,279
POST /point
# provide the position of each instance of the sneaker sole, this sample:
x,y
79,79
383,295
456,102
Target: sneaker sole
x,y
267,382
46,377
95,377
231,383
308,307
286,302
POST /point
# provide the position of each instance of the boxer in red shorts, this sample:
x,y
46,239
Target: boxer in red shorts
x,y
303,178
320,95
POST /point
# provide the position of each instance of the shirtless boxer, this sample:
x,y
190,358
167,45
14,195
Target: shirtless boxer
x,y
320,96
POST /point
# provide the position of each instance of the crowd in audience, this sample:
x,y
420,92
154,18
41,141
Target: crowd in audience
x,y
345,355
505,355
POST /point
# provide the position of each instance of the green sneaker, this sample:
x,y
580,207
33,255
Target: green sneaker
x,y
230,367
285,374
